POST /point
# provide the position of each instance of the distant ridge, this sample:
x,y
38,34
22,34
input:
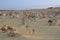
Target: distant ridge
x,y
35,9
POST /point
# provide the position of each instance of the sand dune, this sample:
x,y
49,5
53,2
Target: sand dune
x,y
31,36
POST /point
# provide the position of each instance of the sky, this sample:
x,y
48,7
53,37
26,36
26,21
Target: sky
x,y
27,4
